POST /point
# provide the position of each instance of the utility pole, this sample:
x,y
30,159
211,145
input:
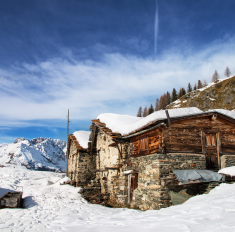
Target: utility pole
x,y
68,126
67,142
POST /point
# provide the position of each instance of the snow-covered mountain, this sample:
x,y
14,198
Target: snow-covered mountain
x,y
44,154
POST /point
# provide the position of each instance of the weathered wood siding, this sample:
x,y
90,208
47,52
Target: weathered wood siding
x,y
153,143
186,136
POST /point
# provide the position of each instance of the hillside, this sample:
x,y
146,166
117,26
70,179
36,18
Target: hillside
x,y
212,96
44,154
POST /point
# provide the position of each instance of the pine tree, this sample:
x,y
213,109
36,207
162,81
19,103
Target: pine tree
x,y
168,98
145,113
182,92
195,87
139,113
227,72
174,95
199,84
150,110
157,105
215,77
189,88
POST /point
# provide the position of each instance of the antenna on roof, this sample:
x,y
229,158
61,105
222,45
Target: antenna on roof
x,y
68,126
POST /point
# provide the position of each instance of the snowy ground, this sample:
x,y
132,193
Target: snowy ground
x,y
55,207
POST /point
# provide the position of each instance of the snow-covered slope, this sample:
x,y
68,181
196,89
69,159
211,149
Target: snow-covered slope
x,y
39,154
54,207
220,95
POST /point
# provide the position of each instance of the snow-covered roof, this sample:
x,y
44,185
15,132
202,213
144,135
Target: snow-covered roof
x,y
82,137
125,124
228,113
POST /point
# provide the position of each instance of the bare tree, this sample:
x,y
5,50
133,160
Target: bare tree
x,y
204,83
215,77
145,113
156,105
227,72
140,112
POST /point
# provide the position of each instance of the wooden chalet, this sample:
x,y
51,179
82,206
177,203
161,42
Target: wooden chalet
x,y
137,169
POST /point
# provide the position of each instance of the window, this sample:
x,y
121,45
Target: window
x,y
143,143
211,140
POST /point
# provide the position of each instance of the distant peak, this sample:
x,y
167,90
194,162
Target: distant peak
x,y
19,140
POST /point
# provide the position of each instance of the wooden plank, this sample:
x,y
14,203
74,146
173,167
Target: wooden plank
x,y
203,139
219,148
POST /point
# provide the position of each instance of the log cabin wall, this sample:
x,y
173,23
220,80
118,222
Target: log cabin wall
x,y
185,135
147,143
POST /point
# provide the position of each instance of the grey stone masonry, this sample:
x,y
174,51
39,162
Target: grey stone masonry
x,y
152,169
227,161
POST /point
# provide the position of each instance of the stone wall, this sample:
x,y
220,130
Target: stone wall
x,y
151,192
81,166
107,157
227,161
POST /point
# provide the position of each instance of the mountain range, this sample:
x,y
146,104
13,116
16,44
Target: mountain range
x,y
44,154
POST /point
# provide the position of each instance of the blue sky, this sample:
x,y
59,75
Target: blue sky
x,y
96,57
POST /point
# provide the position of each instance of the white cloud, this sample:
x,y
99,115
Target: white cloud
x,y
116,83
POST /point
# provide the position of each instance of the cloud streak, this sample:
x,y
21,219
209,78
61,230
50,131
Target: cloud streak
x,y
156,28
116,83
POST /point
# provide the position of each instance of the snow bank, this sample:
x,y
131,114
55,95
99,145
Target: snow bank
x,y
58,207
82,137
228,171
125,124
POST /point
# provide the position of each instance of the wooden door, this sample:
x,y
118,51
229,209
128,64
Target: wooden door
x,y
133,185
211,151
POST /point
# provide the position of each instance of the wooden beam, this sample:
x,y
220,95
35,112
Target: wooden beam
x,y
168,118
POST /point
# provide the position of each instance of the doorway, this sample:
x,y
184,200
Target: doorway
x,y
211,149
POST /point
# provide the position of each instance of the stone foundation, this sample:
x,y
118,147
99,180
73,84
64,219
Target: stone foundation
x,y
227,161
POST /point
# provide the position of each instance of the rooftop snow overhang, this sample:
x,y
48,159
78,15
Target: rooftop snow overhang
x,y
76,143
162,122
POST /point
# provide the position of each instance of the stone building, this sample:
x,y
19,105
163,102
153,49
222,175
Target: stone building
x,y
80,162
145,162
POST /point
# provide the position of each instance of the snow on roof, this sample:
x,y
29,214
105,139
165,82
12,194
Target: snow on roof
x,y
228,171
124,124
82,137
228,113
